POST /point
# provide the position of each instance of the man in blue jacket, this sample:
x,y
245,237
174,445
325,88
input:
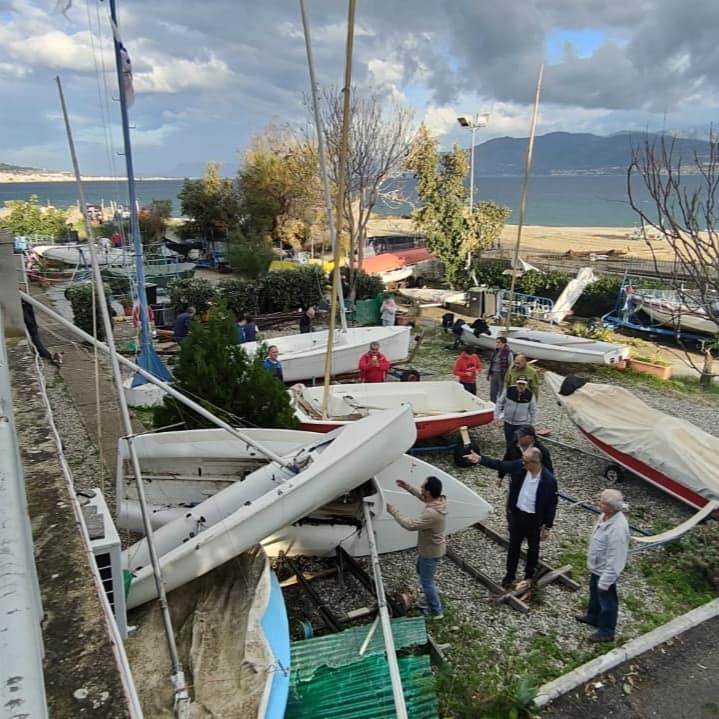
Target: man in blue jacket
x,y
532,505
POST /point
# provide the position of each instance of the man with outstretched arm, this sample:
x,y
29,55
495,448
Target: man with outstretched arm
x,y
430,526
532,505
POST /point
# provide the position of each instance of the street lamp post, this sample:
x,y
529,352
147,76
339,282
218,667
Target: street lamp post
x,y
473,123
481,119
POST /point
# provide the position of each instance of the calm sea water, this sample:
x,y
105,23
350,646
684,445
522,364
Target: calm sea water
x,y
581,201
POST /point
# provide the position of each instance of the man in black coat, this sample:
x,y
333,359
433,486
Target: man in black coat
x,y
532,505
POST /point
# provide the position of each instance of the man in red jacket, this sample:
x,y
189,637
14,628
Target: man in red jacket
x,y
373,365
466,369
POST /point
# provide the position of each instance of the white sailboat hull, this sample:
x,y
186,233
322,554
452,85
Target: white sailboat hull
x,y
679,316
427,295
184,468
267,500
549,346
438,407
76,254
303,356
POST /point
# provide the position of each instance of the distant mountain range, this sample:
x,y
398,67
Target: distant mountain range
x,y
569,153
558,153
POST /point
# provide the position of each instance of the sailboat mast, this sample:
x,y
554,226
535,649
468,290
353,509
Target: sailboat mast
x,y
148,357
322,148
344,144
178,677
523,201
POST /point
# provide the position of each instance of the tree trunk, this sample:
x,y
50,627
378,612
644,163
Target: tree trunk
x,y
705,378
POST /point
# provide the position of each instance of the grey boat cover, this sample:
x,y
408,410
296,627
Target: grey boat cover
x,y
670,445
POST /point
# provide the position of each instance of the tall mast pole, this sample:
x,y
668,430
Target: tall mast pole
x,y
523,201
344,144
322,149
148,359
178,676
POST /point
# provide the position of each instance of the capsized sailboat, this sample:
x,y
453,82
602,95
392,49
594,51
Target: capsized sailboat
x,y
184,468
669,452
438,407
270,498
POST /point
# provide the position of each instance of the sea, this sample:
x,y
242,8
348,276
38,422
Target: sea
x,y
552,201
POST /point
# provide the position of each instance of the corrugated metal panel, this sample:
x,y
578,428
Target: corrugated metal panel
x,y
363,691
331,681
337,650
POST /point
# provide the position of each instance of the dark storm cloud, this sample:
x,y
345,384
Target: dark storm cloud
x,y
211,75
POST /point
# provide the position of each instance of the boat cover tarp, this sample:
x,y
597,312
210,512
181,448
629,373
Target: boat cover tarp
x,y
670,445
220,642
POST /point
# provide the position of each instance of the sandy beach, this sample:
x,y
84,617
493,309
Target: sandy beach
x,y
539,239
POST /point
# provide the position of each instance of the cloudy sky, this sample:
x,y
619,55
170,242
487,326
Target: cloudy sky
x,y
211,74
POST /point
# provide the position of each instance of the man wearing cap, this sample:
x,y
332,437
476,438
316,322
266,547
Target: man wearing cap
x,y
521,368
516,407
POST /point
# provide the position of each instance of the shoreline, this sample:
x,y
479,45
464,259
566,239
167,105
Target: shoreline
x,y
539,239
14,178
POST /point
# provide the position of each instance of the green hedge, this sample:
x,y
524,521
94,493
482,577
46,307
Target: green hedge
x,y
80,296
598,298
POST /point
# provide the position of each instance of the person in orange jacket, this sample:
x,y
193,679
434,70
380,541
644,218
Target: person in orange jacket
x,y
373,365
466,369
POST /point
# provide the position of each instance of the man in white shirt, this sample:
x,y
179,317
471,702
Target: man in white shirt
x,y
608,549
532,505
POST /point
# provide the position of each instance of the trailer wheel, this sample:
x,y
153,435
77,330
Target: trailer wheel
x,y
614,473
409,375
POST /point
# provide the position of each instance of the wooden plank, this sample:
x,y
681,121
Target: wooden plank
x,y
489,583
332,621
563,578
308,577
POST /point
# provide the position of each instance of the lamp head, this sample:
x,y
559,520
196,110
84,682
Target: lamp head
x,y
464,121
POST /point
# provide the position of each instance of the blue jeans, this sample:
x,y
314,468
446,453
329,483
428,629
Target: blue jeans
x,y
427,568
603,607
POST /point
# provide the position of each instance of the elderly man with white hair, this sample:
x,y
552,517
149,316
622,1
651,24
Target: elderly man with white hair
x,y
608,547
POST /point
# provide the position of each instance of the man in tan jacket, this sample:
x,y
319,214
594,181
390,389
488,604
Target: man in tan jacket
x,y
430,526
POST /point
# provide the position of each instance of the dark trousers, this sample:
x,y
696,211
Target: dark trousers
x,y
39,346
471,387
510,437
603,607
522,525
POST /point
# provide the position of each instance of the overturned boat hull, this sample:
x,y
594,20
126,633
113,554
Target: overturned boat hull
x,y
267,500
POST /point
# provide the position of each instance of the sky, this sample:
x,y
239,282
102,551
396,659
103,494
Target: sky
x,y
210,75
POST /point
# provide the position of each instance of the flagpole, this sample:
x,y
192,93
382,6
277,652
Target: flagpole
x,y
148,358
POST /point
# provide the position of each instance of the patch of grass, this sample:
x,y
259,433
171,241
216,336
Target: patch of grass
x,y
144,415
679,588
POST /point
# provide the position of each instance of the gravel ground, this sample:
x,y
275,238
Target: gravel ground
x,y
503,630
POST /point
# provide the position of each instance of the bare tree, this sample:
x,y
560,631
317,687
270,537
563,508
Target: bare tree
x,y
685,219
379,142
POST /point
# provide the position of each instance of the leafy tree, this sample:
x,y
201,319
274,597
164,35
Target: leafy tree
x,y
212,204
379,140
483,228
279,186
220,376
685,219
30,218
153,221
249,256
440,188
